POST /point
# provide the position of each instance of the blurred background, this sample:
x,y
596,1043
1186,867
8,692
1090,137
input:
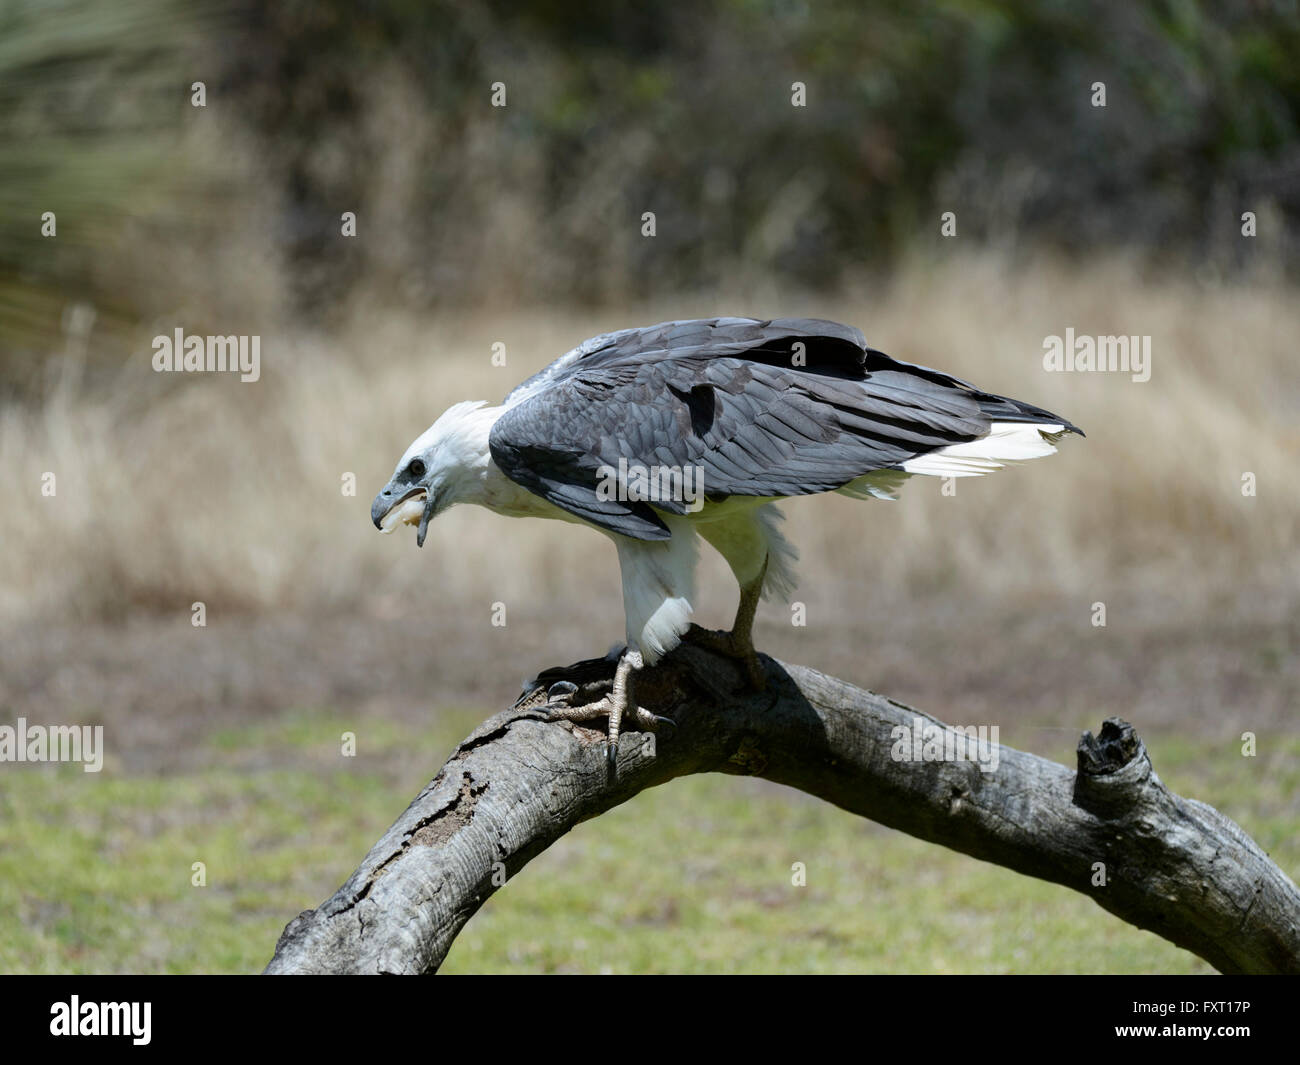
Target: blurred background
x,y
218,208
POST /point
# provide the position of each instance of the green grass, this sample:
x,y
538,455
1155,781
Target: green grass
x,y
95,870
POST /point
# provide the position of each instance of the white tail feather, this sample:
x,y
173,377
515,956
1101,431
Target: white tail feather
x,y
1005,442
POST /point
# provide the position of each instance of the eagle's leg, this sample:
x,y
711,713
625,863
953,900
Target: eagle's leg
x,y
619,697
619,702
739,642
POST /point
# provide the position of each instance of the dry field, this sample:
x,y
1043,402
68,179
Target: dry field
x,y
176,489
173,489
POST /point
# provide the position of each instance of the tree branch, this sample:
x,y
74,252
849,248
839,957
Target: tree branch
x,y
1112,830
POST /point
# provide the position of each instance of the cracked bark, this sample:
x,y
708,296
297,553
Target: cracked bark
x,y
1172,865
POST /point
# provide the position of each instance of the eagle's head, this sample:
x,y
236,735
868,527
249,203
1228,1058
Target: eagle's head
x,y
439,470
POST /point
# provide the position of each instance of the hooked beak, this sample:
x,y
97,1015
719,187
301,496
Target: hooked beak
x,y
404,505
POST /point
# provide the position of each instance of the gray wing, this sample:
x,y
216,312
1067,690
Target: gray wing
x,y
736,399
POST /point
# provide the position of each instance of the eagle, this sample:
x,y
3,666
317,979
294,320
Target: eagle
x,y
662,434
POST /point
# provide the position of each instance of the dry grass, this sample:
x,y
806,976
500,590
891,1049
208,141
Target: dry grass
x,y
183,488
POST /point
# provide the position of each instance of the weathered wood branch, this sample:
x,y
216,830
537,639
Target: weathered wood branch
x,y
1172,865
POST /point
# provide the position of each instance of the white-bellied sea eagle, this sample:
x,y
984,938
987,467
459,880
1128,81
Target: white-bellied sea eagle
x,y
656,434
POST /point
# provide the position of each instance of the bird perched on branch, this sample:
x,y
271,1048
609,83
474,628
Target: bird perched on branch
x,y
659,434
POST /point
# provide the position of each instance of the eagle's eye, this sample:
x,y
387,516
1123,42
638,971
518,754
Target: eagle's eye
x,y
416,468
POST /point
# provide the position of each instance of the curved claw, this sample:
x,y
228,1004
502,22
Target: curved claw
x,y
611,756
660,721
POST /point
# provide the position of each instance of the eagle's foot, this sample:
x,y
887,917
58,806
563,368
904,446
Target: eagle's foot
x,y
729,645
618,704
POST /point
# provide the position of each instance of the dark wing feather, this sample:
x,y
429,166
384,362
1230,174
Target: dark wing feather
x,y
727,396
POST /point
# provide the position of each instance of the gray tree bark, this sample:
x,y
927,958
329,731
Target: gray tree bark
x,y
1111,830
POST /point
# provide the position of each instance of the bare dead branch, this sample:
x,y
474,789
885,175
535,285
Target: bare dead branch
x,y
1112,830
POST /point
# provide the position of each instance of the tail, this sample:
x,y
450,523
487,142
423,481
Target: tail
x,y
1017,431
1032,435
